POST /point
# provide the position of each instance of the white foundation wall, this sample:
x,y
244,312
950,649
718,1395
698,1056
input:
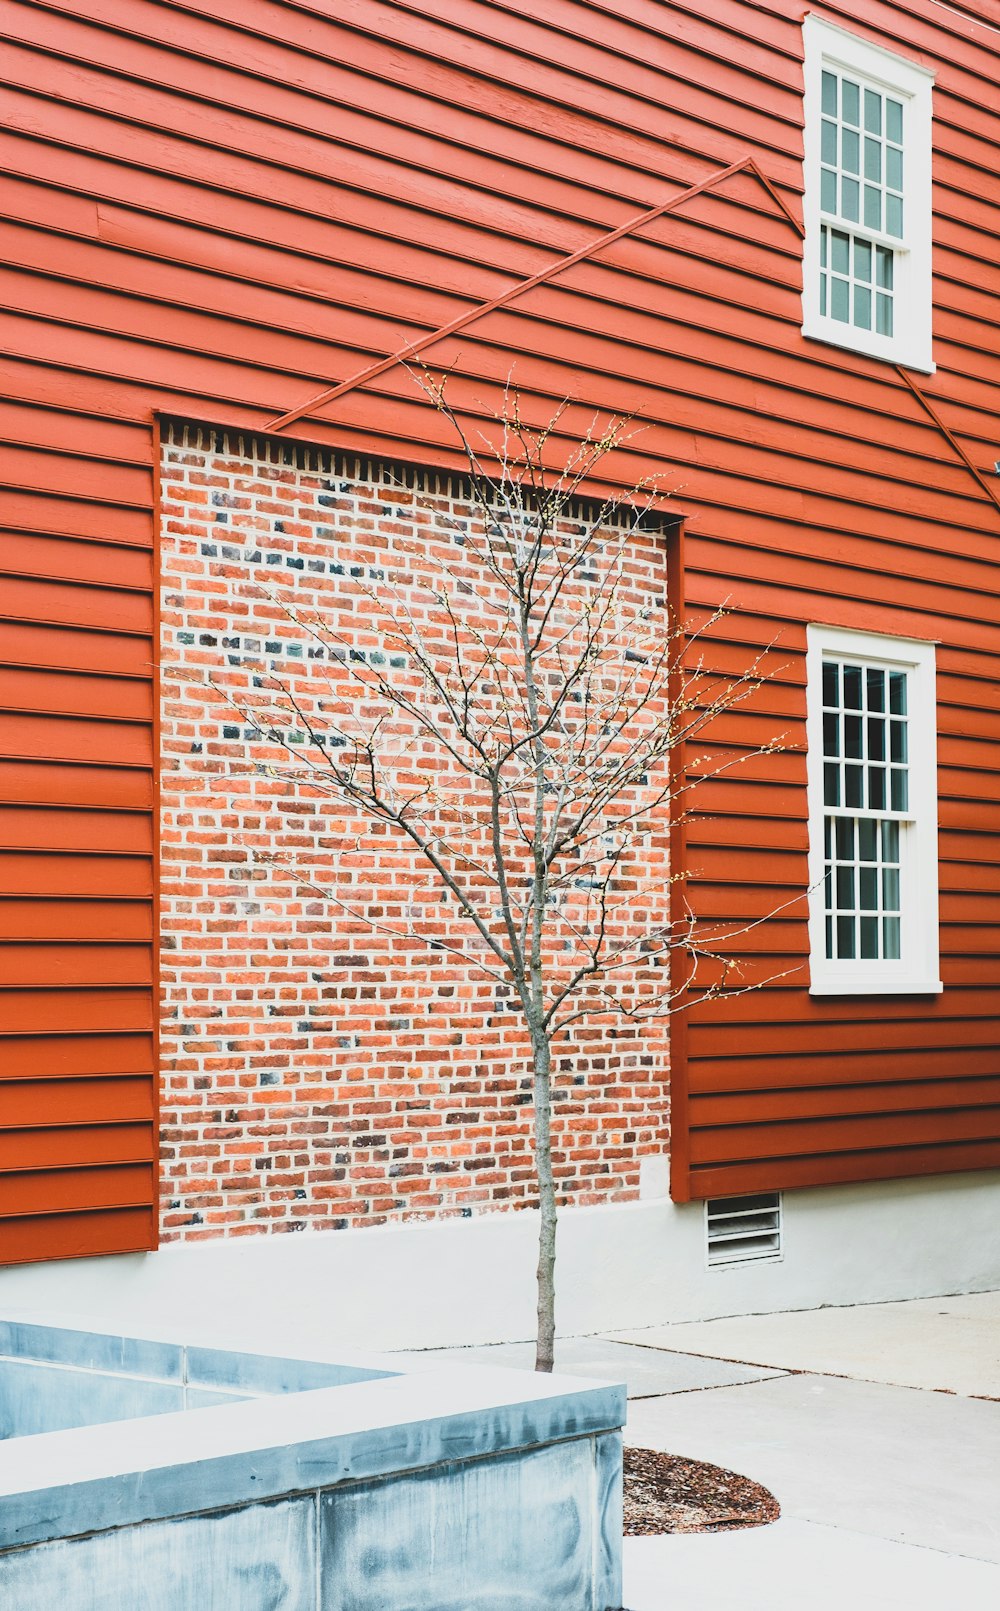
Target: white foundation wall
x,y
472,1281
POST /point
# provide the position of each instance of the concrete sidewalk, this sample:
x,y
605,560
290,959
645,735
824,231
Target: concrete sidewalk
x,y
877,1429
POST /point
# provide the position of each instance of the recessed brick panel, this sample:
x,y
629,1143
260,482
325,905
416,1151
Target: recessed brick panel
x,y
318,1071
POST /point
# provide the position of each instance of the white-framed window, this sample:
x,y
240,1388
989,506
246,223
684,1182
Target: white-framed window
x,y
871,732
867,207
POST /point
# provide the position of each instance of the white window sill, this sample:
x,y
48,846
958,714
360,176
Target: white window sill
x,y
870,986
837,335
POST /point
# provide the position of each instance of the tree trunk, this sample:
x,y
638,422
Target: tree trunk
x,y
545,1338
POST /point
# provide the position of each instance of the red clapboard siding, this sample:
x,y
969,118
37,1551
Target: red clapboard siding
x,y
215,210
56,1056
80,920
56,1232
62,1188
32,1103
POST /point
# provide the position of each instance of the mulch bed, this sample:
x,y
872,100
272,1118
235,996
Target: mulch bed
x,y
664,1493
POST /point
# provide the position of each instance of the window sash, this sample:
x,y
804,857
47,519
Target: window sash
x,y
863,160
873,859
894,322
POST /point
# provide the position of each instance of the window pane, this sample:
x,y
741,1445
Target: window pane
x,y
851,104
900,790
883,314
828,191
867,839
869,937
863,261
844,838
873,112
852,737
873,207
845,888
897,692
894,121
876,788
845,937
890,841
876,689
831,733
883,267
840,250
850,199
840,300
891,943
831,785
894,216
850,146
830,94
828,145
831,683
852,687
897,741
894,168
853,779
822,294
890,889
868,889
876,738
862,307
873,160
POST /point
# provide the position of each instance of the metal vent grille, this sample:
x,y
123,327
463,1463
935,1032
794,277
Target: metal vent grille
x,y
743,1228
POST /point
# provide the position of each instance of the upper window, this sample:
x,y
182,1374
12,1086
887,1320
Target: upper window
x,y
867,269
872,814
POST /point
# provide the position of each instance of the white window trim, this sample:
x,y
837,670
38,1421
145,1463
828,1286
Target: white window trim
x,y
917,972
911,341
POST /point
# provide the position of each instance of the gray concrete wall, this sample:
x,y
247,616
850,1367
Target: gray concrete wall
x,y
464,1489
538,1531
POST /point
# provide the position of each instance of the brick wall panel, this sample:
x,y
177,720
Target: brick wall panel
x,y
317,1073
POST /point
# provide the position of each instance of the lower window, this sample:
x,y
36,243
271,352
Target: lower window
x,y
872,775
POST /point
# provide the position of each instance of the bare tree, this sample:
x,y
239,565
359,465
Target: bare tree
x,y
520,728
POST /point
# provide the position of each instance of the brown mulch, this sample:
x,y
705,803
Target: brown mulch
x,y
664,1493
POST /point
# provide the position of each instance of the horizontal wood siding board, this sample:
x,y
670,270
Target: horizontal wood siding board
x,y
67,875
102,1007
890,1163
843,1132
70,560
51,783
73,1235
834,1101
902,1037
798,1071
61,429
68,648
118,832
36,1054
73,963
35,1103
34,737
58,1190
67,1146
53,693
77,920
56,603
